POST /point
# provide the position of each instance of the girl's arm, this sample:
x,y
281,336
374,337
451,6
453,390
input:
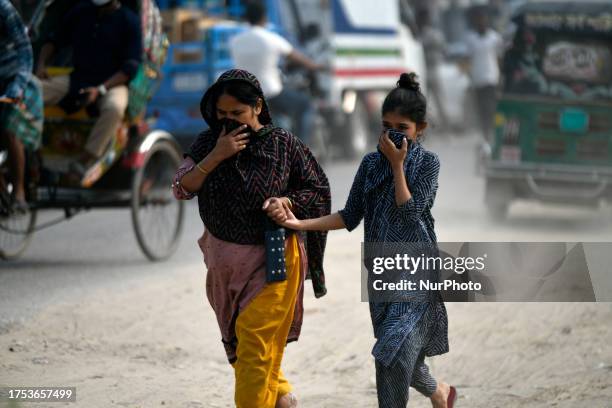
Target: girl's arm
x,y
348,218
402,193
396,158
327,223
423,189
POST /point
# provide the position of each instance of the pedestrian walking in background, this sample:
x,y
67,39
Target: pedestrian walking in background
x,y
485,46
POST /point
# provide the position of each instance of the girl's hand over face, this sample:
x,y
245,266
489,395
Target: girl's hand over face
x,y
395,156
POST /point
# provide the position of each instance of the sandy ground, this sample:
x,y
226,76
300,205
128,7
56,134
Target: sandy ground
x,y
158,345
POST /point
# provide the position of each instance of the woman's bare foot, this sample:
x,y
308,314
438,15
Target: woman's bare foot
x,y
439,398
288,400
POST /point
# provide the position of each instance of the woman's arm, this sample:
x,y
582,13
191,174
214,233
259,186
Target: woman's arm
x,y
192,180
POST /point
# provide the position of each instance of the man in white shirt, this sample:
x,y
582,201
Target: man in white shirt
x,y
259,51
485,47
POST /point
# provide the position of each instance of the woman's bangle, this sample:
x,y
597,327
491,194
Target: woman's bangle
x,y
290,203
202,170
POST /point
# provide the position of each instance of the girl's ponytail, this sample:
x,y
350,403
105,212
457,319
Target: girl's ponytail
x,y
407,99
409,81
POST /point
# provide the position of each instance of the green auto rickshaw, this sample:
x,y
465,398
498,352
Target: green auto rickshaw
x,y
553,126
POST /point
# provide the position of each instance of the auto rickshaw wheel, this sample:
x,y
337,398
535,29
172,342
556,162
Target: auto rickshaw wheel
x,y
498,196
157,216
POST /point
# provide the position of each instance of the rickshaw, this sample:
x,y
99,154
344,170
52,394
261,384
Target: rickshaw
x,y
135,171
553,126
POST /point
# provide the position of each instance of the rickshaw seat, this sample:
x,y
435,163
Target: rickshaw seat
x,y
56,113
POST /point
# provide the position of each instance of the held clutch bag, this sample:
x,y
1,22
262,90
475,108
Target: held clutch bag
x,y
276,269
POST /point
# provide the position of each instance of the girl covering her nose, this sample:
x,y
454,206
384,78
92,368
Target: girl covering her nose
x,y
394,191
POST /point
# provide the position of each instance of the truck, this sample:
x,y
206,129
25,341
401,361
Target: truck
x,y
366,44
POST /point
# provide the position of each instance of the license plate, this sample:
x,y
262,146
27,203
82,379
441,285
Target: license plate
x,y
510,154
574,121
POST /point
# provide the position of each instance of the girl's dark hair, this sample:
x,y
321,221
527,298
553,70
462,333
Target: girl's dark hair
x,y
241,90
407,99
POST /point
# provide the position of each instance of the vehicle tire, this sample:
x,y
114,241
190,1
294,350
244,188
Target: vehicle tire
x,y
498,197
16,232
357,132
157,216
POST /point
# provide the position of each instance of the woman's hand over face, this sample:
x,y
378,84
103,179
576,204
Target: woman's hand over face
x,y
231,143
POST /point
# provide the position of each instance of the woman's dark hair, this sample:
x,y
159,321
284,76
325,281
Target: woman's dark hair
x,y
407,99
241,90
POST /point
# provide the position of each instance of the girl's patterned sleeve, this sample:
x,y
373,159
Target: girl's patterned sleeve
x,y
424,189
354,209
177,188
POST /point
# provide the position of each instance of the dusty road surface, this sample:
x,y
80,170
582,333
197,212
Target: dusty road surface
x,y
83,308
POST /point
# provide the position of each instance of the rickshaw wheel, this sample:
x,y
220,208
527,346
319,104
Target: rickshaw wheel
x,y
16,231
156,215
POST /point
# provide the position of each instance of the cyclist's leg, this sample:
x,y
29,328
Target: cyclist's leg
x,y
112,109
16,157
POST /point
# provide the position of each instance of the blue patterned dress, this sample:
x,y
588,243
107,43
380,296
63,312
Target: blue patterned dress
x,y
17,81
372,198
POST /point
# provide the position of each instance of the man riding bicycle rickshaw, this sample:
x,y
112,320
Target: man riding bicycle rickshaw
x,y
98,150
